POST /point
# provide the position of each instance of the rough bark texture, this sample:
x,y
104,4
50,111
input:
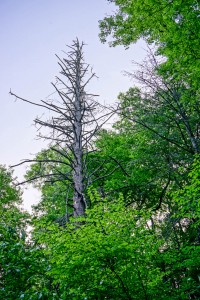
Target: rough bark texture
x,y
78,196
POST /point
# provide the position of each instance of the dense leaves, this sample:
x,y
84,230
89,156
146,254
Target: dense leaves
x,y
105,255
173,25
139,237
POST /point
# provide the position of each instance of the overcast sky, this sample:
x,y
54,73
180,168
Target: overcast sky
x,y
31,32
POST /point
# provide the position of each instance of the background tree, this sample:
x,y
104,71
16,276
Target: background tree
x,y
154,140
172,25
12,236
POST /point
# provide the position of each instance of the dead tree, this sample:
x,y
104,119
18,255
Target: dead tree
x,y
76,119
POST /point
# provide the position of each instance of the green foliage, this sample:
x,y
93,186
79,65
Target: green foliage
x,y
188,199
12,236
182,250
50,174
22,262
173,25
9,195
109,254
150,148
137,169
140,236
117,252
114,252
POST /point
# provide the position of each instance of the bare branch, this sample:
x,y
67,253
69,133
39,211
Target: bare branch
x,y
75,122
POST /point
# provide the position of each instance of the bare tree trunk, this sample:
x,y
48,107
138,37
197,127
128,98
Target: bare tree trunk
x,y
78,196
76,119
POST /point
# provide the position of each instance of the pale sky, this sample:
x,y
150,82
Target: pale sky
x,y
31,32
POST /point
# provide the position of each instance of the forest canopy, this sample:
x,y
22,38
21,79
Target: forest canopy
x,y
119,214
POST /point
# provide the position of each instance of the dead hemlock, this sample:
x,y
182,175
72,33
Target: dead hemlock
x,y
76,120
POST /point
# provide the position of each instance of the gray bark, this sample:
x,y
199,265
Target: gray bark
x,y
78,196
76,119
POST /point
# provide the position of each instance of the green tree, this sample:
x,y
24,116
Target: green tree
x,y
12,235
110,256
118,252
47,174
181,227
152,145
23,265
173,25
